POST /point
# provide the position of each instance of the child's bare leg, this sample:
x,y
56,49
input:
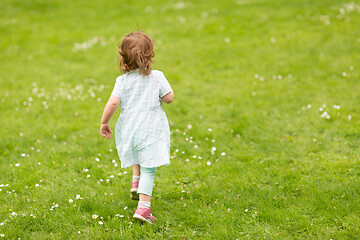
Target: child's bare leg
x,y
136,172
135,182
144,197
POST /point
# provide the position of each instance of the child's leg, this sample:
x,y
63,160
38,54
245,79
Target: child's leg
x,y
136,172
146,185
135,182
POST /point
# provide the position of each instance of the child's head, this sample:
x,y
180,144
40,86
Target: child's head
x,y
136,52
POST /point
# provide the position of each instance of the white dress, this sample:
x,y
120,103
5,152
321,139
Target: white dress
x,y
142,132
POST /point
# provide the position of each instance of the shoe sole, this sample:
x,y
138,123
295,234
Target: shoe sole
x,y
134,195
141,218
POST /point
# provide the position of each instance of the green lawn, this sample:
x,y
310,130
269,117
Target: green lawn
x,y
272,85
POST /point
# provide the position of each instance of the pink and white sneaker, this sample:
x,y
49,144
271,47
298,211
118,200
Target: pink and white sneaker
x,y
133,191
144,215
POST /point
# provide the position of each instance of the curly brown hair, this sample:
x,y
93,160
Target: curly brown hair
x,y
136,52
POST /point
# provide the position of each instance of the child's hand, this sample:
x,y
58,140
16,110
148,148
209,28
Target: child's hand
x,y
105,130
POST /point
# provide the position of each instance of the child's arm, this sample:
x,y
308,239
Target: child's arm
x,y
109,110
168,97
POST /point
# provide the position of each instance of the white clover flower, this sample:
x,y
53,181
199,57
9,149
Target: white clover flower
x,y
325,115
189,126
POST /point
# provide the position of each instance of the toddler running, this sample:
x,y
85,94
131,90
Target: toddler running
x,y
142,133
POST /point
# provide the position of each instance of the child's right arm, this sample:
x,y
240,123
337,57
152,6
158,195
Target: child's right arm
x,y
168,97
109,110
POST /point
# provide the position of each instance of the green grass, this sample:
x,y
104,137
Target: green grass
x,y
255,72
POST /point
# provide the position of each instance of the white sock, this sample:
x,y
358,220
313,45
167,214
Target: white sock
x,y
144,204
136,178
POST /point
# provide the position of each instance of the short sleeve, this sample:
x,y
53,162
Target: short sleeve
x,y
117,87
165,87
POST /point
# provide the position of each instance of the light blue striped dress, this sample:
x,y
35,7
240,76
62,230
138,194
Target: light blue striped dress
x,y
142,132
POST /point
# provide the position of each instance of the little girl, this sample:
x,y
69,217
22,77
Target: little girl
x,y
142,133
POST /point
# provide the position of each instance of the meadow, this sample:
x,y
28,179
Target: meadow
x,y
265,120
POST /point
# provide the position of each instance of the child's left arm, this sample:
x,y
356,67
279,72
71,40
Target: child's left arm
x,y
109,110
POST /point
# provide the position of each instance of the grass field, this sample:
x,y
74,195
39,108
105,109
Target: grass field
x,y
272,85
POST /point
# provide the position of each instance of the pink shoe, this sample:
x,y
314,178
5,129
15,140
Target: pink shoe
x,y
144,214
133,191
